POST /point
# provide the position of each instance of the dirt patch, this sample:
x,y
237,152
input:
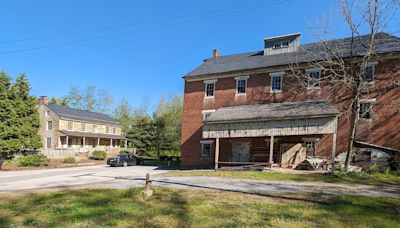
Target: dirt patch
x,y
54,163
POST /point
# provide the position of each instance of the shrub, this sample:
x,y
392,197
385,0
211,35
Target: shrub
x,y
124,152
69,160
98,155
34,160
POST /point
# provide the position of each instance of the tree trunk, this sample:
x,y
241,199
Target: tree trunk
x,y
353,124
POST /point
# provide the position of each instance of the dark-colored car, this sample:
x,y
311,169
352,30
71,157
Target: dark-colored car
x,y
124,160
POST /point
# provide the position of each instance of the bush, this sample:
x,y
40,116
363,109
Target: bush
x,y
34,160
98,155
69,160
124,152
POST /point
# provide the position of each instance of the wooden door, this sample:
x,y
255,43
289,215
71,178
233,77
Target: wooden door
x,y
240,151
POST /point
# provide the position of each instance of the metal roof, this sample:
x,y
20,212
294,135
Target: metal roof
x,y
274,111
83,115
385,43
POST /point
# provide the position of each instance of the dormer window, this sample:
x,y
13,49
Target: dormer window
x,y
280,44
241,85
209,88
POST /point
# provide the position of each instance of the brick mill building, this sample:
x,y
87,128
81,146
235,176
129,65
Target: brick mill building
x,y
248,108
66,131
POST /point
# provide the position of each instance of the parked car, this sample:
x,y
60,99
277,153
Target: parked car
x,y
124,160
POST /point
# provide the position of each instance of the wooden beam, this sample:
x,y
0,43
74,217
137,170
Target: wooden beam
x,y
271,150
216,154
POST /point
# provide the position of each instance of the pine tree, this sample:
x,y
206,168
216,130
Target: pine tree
x,y
28,115
19,117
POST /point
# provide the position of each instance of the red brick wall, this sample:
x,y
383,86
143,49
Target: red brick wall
x,y
383,129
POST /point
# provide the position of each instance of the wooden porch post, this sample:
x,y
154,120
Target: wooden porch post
x,y
98,142
111,143
333,150
67,140
271,150
84,142
216,154
126,143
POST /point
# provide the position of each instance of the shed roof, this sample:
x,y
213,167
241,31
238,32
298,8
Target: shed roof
x,y
83,115
385,43
273,111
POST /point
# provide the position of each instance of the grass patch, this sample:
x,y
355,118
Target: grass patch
x,y
383,179
190,208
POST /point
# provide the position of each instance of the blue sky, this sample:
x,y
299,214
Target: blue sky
x,y
146,63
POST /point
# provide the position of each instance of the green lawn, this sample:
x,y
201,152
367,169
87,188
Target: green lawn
x,y
389,179
190,208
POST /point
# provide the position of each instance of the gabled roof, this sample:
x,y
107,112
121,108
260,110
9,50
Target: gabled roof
x,y
385,43
83,115
274,111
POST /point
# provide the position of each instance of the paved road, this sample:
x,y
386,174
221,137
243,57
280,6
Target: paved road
x,y
126,177
20,181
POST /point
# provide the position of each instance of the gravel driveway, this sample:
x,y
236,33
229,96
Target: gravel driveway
x,y
126,177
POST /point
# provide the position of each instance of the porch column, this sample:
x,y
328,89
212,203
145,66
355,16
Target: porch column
x,y
271,150
216,154
333,150
67,140
98,142
111,143
84,142
126,143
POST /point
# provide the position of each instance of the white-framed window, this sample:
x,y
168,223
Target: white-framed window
x,y
70,125
365,111
209,89
49,125
107,129
207,113
47,113
280,44
48,143
95,129
114,130
205,149
241,85
369,72
314,78
83,127
276,82
311,145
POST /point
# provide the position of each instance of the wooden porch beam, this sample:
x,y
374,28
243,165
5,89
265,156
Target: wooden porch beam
x,y
271,150
216,154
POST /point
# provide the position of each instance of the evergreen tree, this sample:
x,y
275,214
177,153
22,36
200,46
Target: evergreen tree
x,y
19,117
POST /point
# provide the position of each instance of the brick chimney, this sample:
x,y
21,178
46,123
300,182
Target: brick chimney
x,y
215,53
43,100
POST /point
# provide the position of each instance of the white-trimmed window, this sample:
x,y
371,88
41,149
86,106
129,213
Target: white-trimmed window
x,y
70,125
241,85
49,125
47,113
365,111
114,130
209,88
107,129
276,82
205,149
314,78
95,129
83,127
369,72
311,145
207,113
280,44
48,143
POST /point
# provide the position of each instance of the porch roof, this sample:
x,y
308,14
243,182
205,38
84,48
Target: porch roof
x,y
90,135
273,111
274,119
